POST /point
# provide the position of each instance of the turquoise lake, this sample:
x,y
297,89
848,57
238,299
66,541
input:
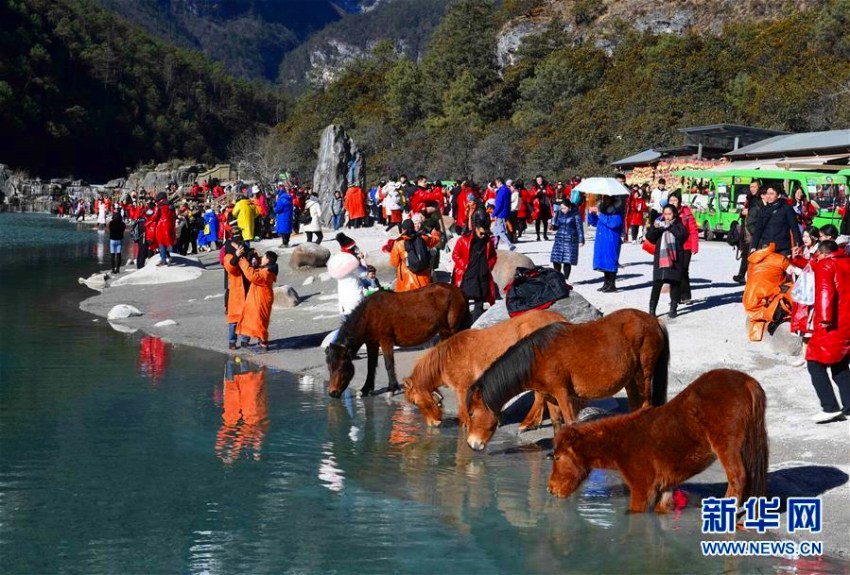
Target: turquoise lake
x,y
122,454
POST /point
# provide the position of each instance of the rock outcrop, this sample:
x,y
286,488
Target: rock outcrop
x,y
285,297
339,165
575,308
506,265
309,256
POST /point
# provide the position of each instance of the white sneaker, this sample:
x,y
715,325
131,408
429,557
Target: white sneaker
x,y
828,417
799,362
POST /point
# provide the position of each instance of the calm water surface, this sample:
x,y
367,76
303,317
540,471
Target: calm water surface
x,y
122,454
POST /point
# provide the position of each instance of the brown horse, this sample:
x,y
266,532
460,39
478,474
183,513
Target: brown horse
x,y
719,415
460,360
386,319
628,348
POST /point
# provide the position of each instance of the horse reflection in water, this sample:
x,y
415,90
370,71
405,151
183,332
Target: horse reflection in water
x,y
153,359
245,415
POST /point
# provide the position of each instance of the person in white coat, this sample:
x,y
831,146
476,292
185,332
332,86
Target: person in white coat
x,y
392,206
314,227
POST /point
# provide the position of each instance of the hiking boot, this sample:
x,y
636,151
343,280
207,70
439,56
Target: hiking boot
x,y
828,416
545,238
674,311
739,279
604,287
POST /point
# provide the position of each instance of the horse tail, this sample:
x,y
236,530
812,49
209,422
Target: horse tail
x,y
661,376
755,449
507,376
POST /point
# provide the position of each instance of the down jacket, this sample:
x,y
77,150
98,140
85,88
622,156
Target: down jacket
x,y
830,341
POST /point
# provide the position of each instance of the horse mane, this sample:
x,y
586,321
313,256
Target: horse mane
x,y
346,336
429,368
507,376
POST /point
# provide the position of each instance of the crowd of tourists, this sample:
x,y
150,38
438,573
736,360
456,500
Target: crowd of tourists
x,y
492,216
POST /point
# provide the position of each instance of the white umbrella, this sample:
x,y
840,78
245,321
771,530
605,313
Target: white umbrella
x,y
602,187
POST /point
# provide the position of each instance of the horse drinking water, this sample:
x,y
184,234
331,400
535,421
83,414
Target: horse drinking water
x,y
628,348
460,360
718,416
386,319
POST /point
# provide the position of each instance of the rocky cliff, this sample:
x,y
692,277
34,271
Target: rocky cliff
x,y
600,21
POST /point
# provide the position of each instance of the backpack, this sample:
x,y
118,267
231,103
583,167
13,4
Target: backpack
x,y
734,235
137,232
304,217
536,288
418,256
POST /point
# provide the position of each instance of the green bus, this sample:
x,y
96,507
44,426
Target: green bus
x,y
718,210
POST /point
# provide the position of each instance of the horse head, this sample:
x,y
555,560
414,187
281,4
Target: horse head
x,y
340,367
569,469
429,402
482,421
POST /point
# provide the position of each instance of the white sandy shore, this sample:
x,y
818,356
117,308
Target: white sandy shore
x,y
806,459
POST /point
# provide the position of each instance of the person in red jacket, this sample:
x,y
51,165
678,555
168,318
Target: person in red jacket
x,y
355,205
691,245
636,215
165,219
474,258
830,343
424,197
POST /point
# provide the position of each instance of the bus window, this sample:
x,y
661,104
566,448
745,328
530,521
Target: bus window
x,y
724,201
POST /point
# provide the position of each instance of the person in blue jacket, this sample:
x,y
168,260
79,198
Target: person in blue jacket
x,y
208,234
568,236
501,213
609,236
283,216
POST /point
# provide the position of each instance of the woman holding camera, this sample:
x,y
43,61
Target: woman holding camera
x,y
669,235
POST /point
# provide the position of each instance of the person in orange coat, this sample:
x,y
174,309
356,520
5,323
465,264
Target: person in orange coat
x,y
245,401
355,205
237,288
258,303
407,279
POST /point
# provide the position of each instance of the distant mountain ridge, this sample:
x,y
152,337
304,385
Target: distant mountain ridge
x,y
249,37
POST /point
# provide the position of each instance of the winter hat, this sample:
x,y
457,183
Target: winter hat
x,y
161,196
346,244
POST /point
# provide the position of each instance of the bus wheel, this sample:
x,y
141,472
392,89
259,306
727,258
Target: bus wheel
x,y
707,234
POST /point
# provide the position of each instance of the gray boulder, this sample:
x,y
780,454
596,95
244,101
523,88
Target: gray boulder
x,y
123,311
575,308
506,265
309,256
285,297
340,164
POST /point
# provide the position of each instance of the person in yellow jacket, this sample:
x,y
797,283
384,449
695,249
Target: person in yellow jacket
x,y
245,213
407,279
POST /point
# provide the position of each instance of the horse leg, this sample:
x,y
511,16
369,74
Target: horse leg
x,y
736,472
554,417
641,496
462,413
665,501
636,398
389,362
371,367
534,418
565,403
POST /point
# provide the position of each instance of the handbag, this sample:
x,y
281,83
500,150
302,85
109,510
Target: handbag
x,y
648,247
804,288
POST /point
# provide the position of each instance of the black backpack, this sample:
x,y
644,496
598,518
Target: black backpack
x,y
536,288
305,217
734,235
137,232
418,256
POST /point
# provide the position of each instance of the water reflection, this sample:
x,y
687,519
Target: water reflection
x,y
245,420
153,359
